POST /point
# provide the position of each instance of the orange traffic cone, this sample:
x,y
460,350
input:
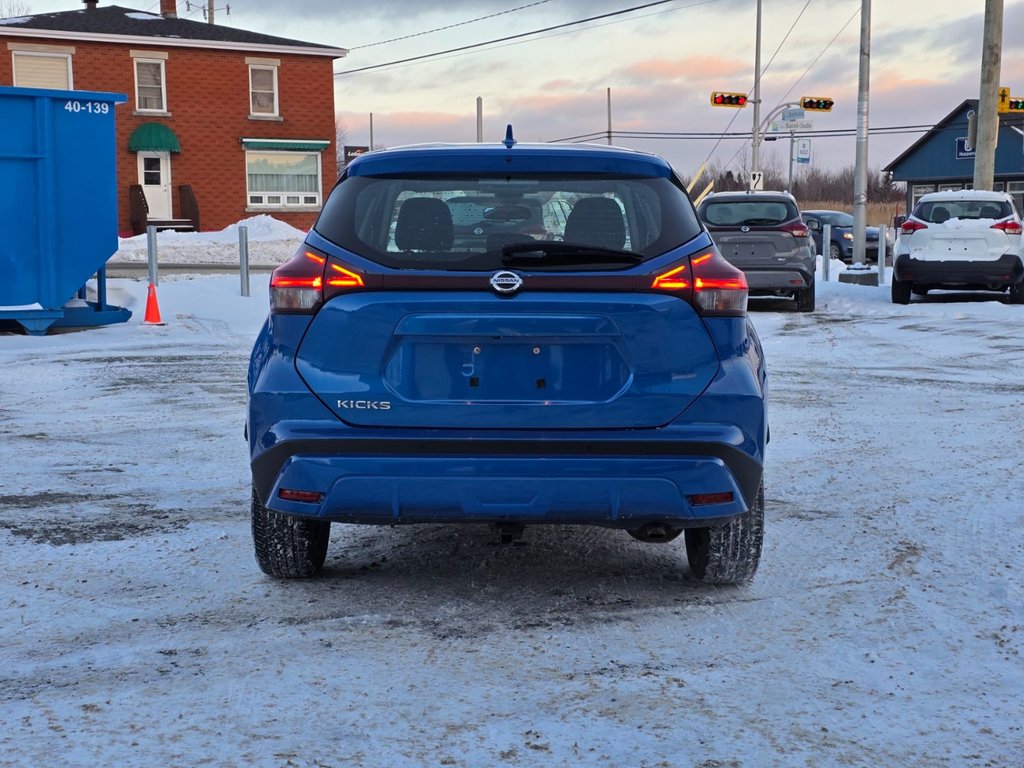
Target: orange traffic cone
x,y
152,308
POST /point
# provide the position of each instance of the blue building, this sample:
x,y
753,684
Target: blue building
x,y
941,160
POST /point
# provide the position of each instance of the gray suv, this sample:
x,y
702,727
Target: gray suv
x,y
763,234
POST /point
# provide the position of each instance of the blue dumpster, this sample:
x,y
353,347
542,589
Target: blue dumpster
x,y
58,206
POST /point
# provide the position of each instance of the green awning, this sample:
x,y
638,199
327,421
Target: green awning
x,y
286,145
153,137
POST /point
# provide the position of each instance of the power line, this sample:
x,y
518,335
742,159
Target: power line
x,y
554,34
758,75
809,68
744,135
449,26
517,36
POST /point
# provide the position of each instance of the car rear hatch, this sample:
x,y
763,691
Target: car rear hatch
x,y
511,328
959,240
546,358
755,248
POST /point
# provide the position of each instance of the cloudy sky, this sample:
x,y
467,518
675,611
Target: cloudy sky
x,y
661,64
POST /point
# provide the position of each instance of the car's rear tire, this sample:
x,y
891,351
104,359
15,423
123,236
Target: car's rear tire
x,y
901,290
805,298
1017,293
288,547
729,553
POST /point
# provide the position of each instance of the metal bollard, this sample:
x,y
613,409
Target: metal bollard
x,y
882,248
243,257
151,249
826,250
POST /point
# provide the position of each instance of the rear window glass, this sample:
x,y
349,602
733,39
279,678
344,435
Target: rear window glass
x,y
749,213
837,219
460,222
938,211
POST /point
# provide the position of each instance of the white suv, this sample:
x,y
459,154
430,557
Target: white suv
x,y
969,240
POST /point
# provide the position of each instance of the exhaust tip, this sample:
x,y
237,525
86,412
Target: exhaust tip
x,y
654,533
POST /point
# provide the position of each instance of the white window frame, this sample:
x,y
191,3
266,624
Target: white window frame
x,y
136,60
277,100
917,191
279,200
1015,189
15,53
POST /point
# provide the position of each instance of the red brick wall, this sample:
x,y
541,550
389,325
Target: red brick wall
x,y
208,98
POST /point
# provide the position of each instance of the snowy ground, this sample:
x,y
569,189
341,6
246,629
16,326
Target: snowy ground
x,y
884,628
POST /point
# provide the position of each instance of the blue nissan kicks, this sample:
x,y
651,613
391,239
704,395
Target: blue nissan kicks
x,y
509,334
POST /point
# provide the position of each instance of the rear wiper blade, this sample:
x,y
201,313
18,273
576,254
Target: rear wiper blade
x,y
553,251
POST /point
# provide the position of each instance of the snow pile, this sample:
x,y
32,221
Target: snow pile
x,y
271,241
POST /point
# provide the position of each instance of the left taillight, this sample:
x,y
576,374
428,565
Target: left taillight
x,y
301,284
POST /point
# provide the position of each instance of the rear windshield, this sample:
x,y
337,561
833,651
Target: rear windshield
x,y
837,219
939,211
749,213
460,222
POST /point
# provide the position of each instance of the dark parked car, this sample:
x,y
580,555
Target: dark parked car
x,y
762,234
842,235
602,371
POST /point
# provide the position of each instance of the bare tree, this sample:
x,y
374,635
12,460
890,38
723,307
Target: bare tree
x,y
340,140
11,8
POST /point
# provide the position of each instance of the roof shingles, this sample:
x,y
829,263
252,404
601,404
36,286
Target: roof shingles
x,y
129,22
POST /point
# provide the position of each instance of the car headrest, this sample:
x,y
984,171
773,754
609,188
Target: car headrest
x,y
596,221
424,224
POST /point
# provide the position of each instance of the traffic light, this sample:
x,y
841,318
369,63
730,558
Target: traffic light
x,y
1015,104
721,99
816,103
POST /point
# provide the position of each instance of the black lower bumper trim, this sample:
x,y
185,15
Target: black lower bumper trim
x,y
267,466
997,273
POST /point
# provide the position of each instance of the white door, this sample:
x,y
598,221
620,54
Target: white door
x,y
155,178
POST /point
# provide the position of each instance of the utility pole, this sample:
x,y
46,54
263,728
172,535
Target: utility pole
x,y
609,117
209,11
792,143
988,100
479,119
860,182
755,147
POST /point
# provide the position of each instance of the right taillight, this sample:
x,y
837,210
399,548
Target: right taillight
x,y
910,226
1010,227
718,287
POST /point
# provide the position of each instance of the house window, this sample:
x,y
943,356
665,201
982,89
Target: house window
x,y
150,85
283,179
263,91
42,70
1015,189
918,191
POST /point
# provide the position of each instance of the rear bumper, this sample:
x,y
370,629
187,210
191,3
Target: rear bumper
x,y
994,274
770,280
605,479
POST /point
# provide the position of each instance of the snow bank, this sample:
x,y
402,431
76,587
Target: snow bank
x,y
271,241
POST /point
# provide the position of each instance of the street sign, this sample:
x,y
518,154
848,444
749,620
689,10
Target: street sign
x,y
803,151
962,150
785,126
757,180
352,152
1004,101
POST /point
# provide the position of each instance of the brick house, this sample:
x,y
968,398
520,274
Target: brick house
x,y
233,122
